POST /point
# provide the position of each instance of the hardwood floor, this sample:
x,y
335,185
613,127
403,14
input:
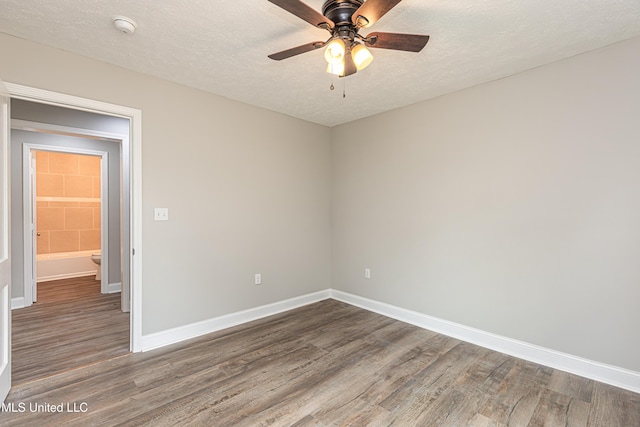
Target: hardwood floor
x,y
326,364
71,325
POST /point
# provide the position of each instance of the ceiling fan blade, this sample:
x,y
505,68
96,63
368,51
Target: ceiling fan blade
x,y
296,51
349,65
371,11
303,11
396,41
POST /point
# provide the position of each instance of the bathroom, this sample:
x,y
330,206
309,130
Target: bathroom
x,y
68,217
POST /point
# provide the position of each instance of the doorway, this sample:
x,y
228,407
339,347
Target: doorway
x,y
68,216
131,161
72,209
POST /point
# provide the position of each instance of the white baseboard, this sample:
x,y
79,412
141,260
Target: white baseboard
x,y
597,371
112,288
619,377
17,303
171,336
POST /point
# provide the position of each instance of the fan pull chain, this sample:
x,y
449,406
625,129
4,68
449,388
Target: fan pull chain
x,y
344,88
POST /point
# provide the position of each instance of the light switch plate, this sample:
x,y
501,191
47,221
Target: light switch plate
x,y
161,214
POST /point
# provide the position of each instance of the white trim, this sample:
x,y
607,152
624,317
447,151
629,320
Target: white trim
x,y
135,237
135,150
619,377
181,333
17,303
5,246
28,212
70,150
597,371
44,96
104,221
113,288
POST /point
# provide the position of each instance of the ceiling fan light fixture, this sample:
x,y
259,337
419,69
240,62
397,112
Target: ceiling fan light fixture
x,y
362,57
335,51
346,50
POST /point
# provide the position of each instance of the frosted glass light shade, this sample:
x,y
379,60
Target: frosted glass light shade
x,y
336,68
334,53
361,57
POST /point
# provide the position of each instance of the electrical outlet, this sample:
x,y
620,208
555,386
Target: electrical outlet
x,y
161,214
367,273
258,279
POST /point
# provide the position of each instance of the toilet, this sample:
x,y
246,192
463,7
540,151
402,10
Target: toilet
x,y
97,258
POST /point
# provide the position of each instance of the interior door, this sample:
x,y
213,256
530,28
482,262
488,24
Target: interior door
x,y
5,264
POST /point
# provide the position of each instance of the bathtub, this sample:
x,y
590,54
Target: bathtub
x,y
64,265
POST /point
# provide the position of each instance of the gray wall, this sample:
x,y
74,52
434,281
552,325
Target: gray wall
x,y
248,190
18,138
512,207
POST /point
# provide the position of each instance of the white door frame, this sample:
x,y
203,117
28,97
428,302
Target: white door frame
x,y
29,207
5,248
135,190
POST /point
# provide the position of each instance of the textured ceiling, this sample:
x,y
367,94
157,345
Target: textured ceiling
x,y
222,46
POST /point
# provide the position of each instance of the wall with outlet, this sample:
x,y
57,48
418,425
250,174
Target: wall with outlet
x,y
511,207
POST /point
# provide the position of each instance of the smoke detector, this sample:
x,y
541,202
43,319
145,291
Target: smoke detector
x,y
124,25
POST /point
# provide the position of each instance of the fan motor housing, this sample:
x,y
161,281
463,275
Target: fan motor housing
x,y
340,11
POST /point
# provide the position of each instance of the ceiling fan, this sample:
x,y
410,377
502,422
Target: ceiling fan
x,y
346,50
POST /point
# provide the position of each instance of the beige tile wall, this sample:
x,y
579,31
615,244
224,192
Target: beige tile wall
x,y
67,226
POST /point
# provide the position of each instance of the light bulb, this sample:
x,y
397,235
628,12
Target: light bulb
x,y
334,53
361,56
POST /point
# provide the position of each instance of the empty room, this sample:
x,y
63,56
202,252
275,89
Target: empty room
x,y
337,212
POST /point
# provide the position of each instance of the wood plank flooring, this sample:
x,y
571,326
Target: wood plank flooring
x,y
325,364
71,325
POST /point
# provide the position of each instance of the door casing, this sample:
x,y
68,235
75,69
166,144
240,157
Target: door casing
x,y
5,248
